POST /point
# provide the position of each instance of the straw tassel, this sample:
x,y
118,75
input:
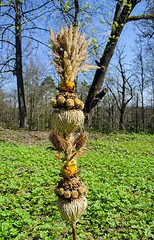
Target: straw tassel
x,y
71,210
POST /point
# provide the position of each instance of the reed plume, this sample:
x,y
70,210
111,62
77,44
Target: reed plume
x,y
70,54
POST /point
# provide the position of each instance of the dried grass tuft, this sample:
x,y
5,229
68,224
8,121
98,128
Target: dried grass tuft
x,y
67,121
70,53
71,210
80,141
58,142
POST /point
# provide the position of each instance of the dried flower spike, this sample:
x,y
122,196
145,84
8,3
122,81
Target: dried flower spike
x,y
80,141
58,142
70,54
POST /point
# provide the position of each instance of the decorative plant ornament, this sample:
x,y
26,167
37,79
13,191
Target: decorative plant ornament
x,y
67,121
70,54
72,210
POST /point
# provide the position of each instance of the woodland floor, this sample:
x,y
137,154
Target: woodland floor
x,y
39,138
24,137
117,170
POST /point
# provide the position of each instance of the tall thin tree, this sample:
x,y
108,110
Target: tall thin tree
x,y
16,14
121,17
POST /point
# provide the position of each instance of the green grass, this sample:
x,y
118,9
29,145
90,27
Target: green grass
x,y
117,171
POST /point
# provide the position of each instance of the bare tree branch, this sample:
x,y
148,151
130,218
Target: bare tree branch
x,y
34,9
7,42
131,92
31,28
7,14
99,96
7,29
140,17
5,64
107,54
76,3
7,71
36,40
114,97
118,10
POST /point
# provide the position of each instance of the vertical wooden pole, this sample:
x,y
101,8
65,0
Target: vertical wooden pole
x,y
74,232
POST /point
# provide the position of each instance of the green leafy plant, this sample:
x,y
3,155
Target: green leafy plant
x,y
117,171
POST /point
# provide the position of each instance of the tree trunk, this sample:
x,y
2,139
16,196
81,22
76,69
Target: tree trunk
x,y
20,82
38,118
136,130
95,94
31,111
46,112
142,85
143,122
112,116
121,126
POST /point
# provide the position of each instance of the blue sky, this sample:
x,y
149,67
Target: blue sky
x,y
127,37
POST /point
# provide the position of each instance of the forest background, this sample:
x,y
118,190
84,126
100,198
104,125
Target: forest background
x,y
119,96
122,44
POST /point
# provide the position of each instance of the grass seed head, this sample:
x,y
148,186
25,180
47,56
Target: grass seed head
x,y
80,141
58,142
70,54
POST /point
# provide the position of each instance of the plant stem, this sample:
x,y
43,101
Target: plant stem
x,y
74,232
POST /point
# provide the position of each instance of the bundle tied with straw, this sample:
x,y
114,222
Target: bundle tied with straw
x,y
69,51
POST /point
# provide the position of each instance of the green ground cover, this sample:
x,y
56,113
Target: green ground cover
x,y
117,171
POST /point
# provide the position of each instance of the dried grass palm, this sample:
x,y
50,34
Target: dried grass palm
x,y
70,53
